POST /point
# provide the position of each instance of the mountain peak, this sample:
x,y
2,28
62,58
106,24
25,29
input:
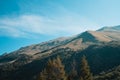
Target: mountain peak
x,y
87,36
94,36
110,28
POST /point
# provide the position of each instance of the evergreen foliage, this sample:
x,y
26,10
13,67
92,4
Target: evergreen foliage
x,y
53,71
85,70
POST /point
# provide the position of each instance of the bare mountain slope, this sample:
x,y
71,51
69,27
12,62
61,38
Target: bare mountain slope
x,y
32,49
94,44
110,29
78,42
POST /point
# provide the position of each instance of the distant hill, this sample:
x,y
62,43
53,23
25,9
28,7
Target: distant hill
x,y
101,47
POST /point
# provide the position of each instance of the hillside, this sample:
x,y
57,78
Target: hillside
x,y
101,47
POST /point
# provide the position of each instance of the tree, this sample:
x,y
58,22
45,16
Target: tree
x,y
73,73
53,71
42,75
85,70
59,69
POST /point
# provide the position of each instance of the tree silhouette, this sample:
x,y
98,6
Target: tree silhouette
x,y
53,71
85,70
73,73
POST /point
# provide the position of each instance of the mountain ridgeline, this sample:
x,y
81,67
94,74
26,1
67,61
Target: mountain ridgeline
x,y
101,48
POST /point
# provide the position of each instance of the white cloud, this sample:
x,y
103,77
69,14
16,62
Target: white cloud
x,y
28,25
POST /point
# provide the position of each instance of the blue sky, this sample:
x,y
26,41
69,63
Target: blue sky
x,y
26,22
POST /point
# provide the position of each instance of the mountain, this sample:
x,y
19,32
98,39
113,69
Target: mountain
x,y
101,47
110,29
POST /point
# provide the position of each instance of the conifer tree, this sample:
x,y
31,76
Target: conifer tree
x,y
42,75
46,74
59,69
85,70
73,73
53,71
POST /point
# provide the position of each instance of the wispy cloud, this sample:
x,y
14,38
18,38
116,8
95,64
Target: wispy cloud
x,y
49,18
29,25
22,26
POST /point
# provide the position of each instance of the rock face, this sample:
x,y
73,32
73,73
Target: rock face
x,y
96,45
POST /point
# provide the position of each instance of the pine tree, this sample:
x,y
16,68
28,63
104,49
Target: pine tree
x,y
85,70
46,73
59,69
73,73
42,75
53,71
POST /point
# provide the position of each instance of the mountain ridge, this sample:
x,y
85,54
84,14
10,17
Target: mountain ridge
x,y
93,44
77,42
